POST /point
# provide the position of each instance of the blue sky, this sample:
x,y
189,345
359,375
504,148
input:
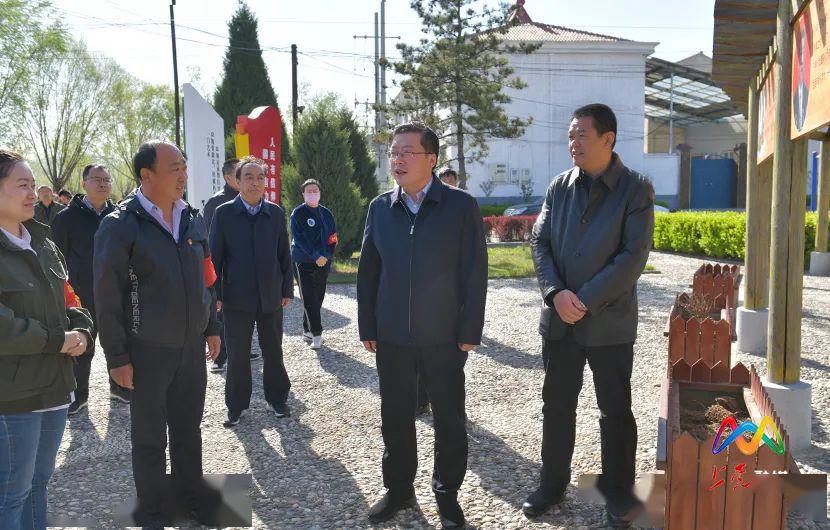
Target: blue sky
x,y
137,35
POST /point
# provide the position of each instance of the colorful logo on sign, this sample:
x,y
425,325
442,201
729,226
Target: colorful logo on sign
x,y
748,447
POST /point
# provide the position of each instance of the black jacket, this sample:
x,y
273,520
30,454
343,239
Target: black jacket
x,y
422,280
149,290
73,231
314,234
251,256
226,194
595,244
46,215
33,319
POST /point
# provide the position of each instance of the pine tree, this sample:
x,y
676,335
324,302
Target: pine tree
x,y
322,152
455,80
245,84
364,164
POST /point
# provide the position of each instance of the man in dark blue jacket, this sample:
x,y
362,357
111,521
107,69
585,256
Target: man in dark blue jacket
x,y
252,258
73,231
421,290
152,275
226,194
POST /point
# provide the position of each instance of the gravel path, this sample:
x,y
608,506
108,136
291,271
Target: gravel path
x,y
321,468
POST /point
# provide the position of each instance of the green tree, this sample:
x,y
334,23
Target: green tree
x,y
245,84
322,151
455,80
28,33
66,102
141,112
364,164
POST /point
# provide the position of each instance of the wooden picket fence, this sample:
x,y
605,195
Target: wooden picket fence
x,y
718,283
709,340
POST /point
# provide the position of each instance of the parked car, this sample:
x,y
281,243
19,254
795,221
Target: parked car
x,y
658,208
524,209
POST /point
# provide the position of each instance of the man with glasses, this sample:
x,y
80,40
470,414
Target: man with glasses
x,y
421,289
73,231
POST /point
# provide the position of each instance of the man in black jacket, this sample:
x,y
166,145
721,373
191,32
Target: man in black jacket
x,y
226,194
251,254
590,244
421,290
73,231
152,273
46,208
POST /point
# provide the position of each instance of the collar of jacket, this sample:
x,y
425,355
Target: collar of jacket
x,y
239,204
434,194
228,190
610,177
37,230
132,204
78,202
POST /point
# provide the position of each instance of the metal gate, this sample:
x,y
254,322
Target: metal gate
x,y
714,183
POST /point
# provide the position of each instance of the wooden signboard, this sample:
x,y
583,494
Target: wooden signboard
x,y
811,69
766,117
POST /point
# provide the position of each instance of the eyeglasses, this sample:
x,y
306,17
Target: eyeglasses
x,y
406,155
97,180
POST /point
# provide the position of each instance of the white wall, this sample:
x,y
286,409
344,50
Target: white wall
x,y
560,78
716,138
664,172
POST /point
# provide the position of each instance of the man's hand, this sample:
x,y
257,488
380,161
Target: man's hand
x,y
123,375
569,307
74,343
321,261
371,345
285,302
466,347
218,306
214,344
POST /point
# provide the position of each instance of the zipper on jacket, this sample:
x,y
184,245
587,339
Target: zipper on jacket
x,y
412,220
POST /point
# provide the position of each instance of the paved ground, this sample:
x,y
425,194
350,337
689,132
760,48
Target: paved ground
x,y
321,468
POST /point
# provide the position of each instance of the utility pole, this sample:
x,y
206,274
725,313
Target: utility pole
x,y
175,76
383,160
294,108
380,91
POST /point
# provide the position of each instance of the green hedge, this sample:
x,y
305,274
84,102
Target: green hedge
x,y
713,234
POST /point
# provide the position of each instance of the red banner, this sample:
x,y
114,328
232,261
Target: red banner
x,y
259,134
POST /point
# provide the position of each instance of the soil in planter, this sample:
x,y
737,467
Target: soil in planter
x,y
703,411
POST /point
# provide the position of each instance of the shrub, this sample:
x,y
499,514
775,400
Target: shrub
x,y
713,234
509,228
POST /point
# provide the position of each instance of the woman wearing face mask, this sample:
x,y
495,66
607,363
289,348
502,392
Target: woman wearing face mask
x,y
314,236
39,335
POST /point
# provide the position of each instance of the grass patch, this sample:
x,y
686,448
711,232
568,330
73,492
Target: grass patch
x,y
504,262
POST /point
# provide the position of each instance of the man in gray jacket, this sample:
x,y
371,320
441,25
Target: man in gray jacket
x,y
590,244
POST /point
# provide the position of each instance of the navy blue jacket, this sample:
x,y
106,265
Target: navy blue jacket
x,y
422,279
314,234
226,194
251,256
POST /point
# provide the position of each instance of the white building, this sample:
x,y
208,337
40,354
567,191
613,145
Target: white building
x,y
571,68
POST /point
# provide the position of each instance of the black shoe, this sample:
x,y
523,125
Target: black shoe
x,y
217,368
281,410
450,511
542,499
233,419
77,406
391,503
121,395
255,356
422,410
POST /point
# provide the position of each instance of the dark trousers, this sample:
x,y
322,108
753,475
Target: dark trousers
x,y
312,281
168,396
239,329
83,367
222,358
611,367
442,370
423,396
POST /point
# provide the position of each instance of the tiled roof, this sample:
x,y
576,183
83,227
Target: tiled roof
x,y
537,32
